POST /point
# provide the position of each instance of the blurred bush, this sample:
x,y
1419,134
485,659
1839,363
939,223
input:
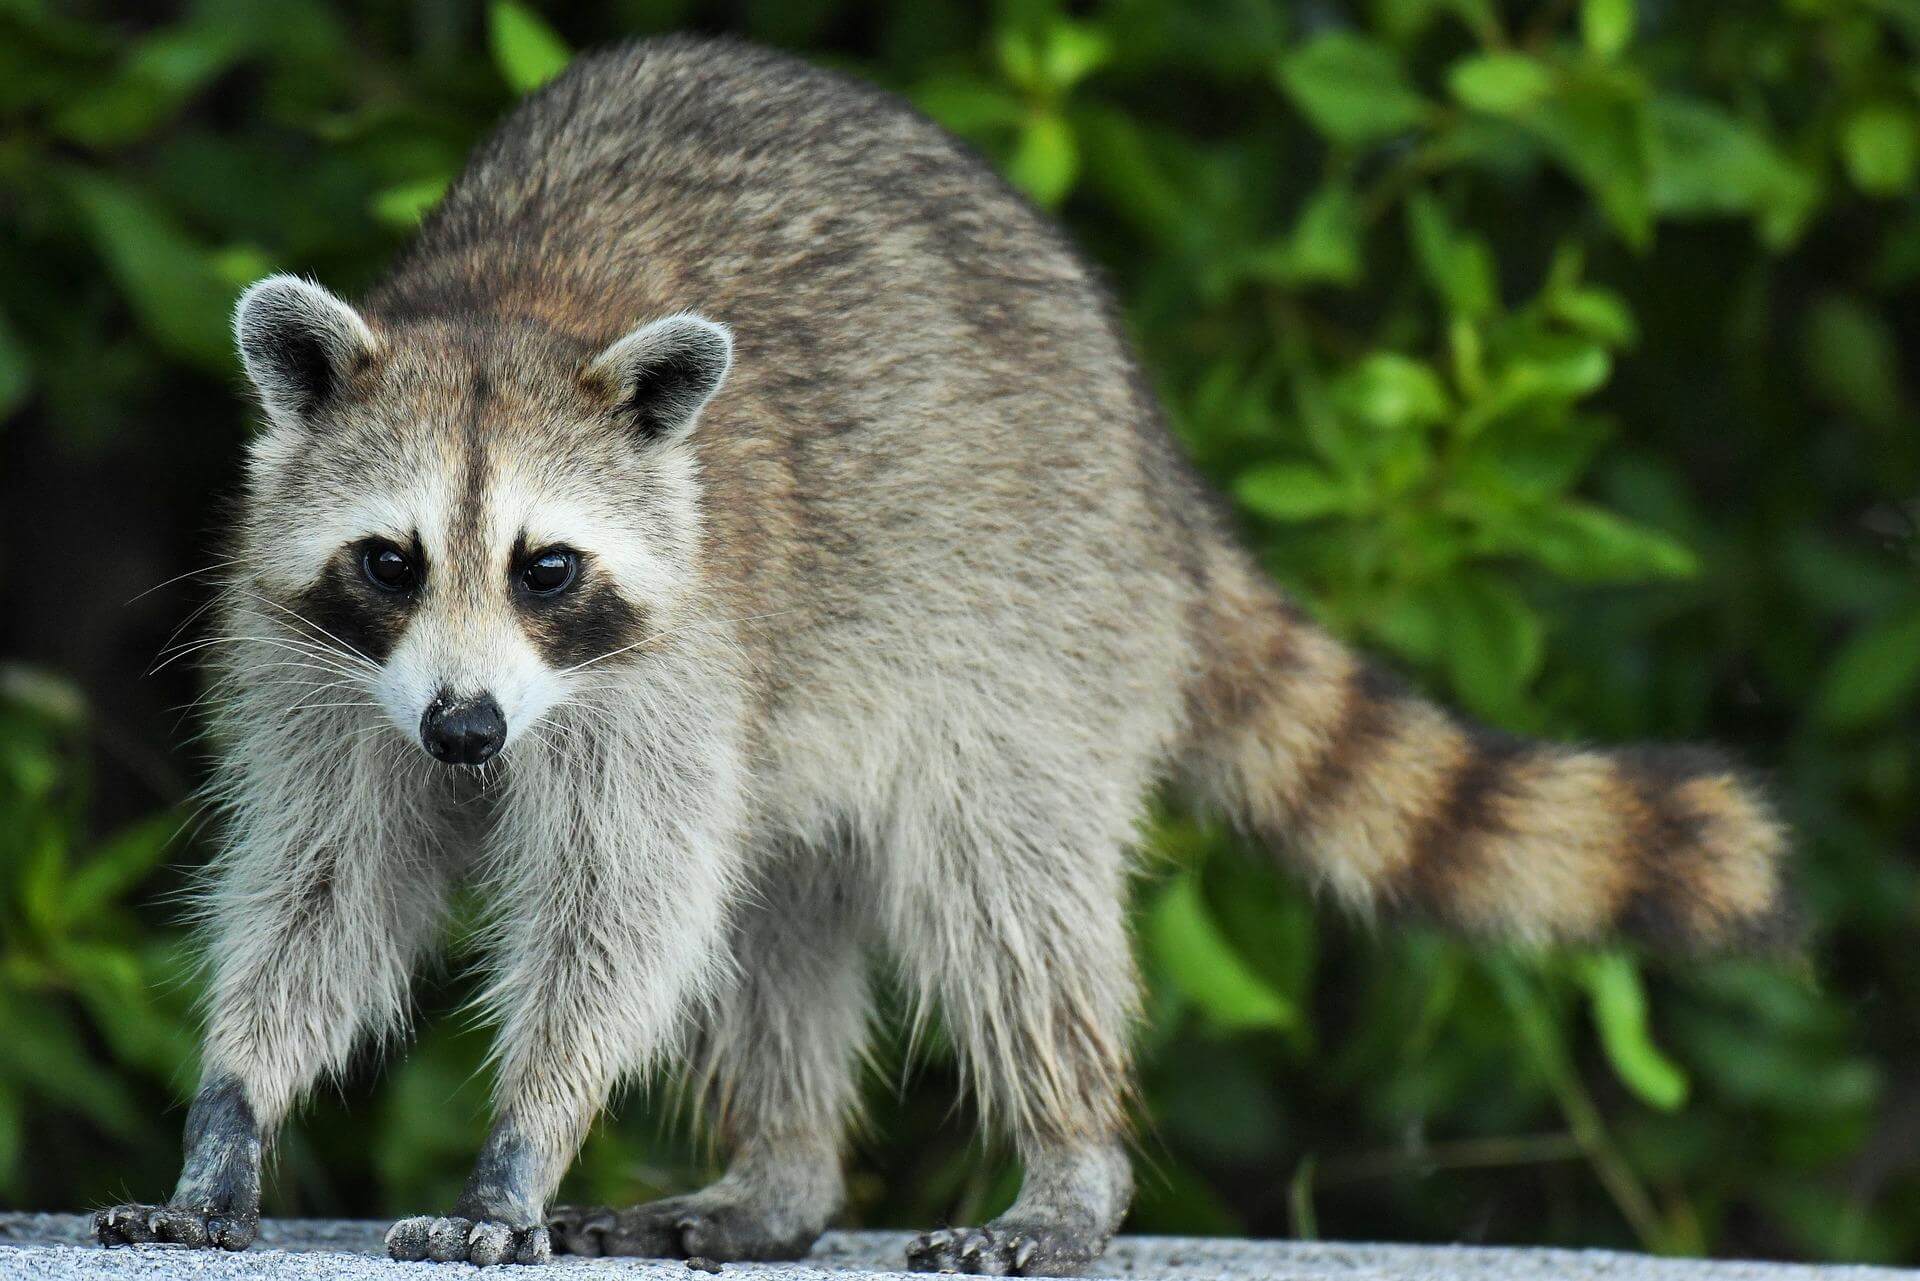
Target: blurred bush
x,y
1556,350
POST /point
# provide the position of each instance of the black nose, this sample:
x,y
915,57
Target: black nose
x,y
463,733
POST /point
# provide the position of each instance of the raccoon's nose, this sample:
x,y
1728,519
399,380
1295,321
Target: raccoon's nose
x,y
463,733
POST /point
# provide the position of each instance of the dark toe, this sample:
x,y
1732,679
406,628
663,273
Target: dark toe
x,y
232,1231
182,1227
407,1239
580,1231
490,1244
447,1239
123,1225
533,1245
997,1252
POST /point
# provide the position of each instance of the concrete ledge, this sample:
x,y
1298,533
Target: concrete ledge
x,y
56,1247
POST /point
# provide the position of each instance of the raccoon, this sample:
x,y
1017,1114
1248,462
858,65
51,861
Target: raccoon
x,y
737,539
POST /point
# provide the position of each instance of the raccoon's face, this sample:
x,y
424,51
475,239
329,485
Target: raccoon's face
x,y
479,527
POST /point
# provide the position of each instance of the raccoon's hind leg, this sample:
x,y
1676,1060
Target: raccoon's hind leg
x,y
1021,940
779,1057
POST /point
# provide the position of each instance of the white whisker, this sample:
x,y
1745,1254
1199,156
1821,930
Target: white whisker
x,y
192,573
671,631
342,647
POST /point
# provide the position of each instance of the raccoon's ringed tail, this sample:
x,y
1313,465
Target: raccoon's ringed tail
x,y
1393,803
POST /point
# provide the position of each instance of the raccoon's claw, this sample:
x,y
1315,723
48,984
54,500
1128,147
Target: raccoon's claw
x,y
689,1227
482,1242
172,1225
1002,1252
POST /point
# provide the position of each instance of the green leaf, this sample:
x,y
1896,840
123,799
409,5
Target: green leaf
x,y
107,965
1046,160
1292,492
1049,61
238,266
1070,52
1494,643
1017,50
1458,265
118,865
1555,367
527,51
1393,392
157,79
42,880
1607,26
1324,245
404,204
46,1053
1412,623
1352,88
129,998
1599,313
968,106
1881,145
171,283
1516,461
1873,678
1403,21
1500,84
1853,359
1586,544
1597,128
1202,965
1620,1016
1708,163
1139,175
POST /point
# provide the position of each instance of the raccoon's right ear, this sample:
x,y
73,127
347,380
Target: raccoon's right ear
x,y
298,343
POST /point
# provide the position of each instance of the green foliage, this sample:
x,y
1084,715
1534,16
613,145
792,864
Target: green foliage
x,y
525,48
1203,968
1561,353
1351,87
89,993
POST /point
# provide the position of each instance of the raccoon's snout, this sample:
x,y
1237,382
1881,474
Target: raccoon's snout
x,y
463,733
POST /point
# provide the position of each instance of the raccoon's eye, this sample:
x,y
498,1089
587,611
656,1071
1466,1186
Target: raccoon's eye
x,y
550,571
388,568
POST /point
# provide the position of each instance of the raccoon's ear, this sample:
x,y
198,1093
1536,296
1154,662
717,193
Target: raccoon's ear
x,y
298,343
661,375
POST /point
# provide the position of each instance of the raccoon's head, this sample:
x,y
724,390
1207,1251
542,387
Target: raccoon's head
x,y
476,524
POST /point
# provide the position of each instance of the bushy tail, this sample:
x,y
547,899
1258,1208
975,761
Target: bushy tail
x,y
1394,803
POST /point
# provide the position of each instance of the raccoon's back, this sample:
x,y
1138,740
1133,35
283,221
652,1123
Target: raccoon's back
x,y
932,414
800,205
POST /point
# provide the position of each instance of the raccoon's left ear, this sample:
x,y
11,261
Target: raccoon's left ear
x,y
298,343
662,374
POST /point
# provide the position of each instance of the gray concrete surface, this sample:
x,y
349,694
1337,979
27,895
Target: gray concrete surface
x,y
54,1247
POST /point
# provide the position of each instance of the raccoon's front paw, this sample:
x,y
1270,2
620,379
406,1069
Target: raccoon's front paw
x,y
696,1226
1004,1251
451,1239
172,1225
